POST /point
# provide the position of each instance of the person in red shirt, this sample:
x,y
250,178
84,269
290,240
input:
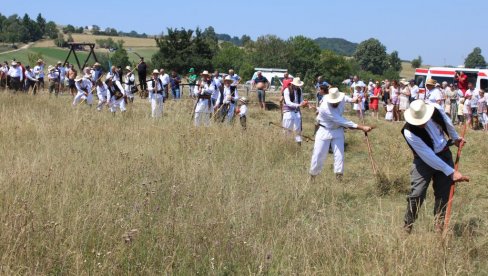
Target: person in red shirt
x,y
374,99
286,81
462,80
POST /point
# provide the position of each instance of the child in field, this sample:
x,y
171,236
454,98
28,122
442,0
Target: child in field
x,y
482,110
460,109
241,111
389,111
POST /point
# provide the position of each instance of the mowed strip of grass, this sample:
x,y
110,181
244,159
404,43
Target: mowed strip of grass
x,y
50,55
86,192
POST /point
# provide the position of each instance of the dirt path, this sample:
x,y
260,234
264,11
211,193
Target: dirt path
x,y
21,48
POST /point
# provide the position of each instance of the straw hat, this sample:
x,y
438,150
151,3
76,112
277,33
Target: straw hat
x,y
78,78
297,82
40,61
244,100
418,113
155,71
50,68
430,82
334,96
59,62
404,82
96,64
127,67
205,73
14,63
228,79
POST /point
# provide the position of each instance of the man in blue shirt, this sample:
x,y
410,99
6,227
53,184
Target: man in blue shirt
x,y
175,81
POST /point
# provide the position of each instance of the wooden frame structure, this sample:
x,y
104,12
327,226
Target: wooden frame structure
x,y
73,46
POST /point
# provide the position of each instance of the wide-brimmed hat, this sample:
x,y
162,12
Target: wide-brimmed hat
x,y
430,82
96,64
418,113
155,71
78,78
127,67
334,96
228,79
40,61
244,100
204,73
14,63
297,82
404,82
50,68
59,62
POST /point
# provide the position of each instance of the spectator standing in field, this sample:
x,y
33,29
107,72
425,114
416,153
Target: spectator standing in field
x,y
358,97
39,71
386,91
452,98
242,112
432,93
165,81
395,99
404,98
414,90
482,110
474,96
462,80
3,75
389,108
236,79
261,83
53,78
16,76
142,72
72,74
375,99
467,109
460,111
219,88
62,76
192,81
175,81
286,81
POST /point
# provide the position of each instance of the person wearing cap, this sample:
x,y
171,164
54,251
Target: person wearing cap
x,y
39,71
204,106
72,73
414,90
192,80
226,101
129,82
156,94
16,76
292,101
331,133
142,74
53,80
261,83
84,88
116,95
242,112
425,132
30,80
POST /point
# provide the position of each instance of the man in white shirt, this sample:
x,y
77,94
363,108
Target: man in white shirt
x,y
414,90
84,87
292,101
16,76
39,71
156,94
165,79
330,132
217,82
432,93
475,96
425,131
30,80
204,107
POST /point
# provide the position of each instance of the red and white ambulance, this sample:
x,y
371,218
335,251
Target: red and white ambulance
x,y
441,74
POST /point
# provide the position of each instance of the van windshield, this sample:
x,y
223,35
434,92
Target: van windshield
x,y
443,79
420,80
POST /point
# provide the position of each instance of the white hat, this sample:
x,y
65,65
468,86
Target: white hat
x,y
334,96
14,63
78,78
228,78
50,68
418,113
40,61
127,67
205,73
297,82
243,100
59,62
155,71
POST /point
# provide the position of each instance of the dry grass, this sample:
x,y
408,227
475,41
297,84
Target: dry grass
x,y
84,192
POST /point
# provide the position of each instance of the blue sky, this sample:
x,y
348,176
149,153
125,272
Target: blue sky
x,y
442,32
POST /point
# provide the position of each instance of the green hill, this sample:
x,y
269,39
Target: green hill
x,y
338,45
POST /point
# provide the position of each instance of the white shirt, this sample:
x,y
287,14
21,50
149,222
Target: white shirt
x,y
39,70
30,75
16,72
439,141
114,76
102,90
216,82
331,117
414,91
84,86
164,79
243,110
53,75
236,79
203,105
158,83
62,72
475,96
227,96
129,78
433,96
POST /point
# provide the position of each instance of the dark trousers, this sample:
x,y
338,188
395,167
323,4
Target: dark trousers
x,y
243,121
142,81
420,176
15,83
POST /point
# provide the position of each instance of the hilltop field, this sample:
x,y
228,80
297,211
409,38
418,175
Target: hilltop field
x,y
87,193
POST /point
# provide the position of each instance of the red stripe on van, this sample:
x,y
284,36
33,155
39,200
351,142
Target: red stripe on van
x,y
425,71
439,72
481,74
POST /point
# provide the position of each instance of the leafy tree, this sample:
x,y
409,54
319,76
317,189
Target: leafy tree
x,y
335,68
303,54
108,43
95,29
211,39
475,59
120,56
371,56
69,29
181,49
269,51
59,41
41,22
13,32
338,45
245,39
417,62
395,61
70,38
32,30
229,56
51,30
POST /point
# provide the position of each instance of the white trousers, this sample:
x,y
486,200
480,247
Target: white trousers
x,y
293,123
321,149
120,103
202,118
128,91
81,96
156,105
102,99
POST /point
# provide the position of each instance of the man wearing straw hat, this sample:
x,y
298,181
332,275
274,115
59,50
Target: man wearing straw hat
x,y
84,87
16,76
39,71
331,133
129,84
226,101
293,100
53,79
156,94
204,105
425,131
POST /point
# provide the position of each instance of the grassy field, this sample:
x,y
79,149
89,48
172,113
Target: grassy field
x,y
128,41
85,192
